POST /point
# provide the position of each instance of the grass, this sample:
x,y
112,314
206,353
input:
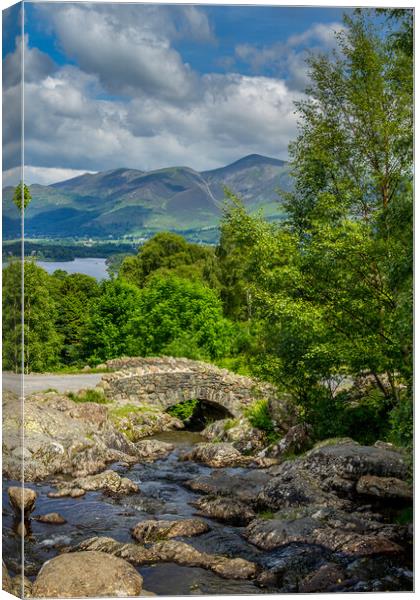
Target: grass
x,y
69,370
331,442
229,423
267,515
132,427
125,410
89,396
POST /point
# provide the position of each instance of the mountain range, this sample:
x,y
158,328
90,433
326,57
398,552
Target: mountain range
x,y
133,203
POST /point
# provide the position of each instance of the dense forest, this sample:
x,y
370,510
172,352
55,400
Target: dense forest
x,y
65,251
320,298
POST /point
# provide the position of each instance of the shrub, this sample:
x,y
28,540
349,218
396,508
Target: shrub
x,y
258,415
365,419
229,424
89,396
401,422
184,410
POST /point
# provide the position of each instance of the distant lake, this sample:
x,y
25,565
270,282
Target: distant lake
x,y
95,267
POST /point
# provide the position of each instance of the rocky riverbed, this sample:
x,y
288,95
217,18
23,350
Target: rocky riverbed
x,y
208,513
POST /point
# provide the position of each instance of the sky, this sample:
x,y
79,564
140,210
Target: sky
x,y
152,86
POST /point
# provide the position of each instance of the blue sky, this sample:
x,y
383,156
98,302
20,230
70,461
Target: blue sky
x,y
232,25
150,86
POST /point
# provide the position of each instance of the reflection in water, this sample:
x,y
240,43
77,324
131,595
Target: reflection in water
x,y
95,267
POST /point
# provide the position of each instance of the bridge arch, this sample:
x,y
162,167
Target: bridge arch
x,y
167,381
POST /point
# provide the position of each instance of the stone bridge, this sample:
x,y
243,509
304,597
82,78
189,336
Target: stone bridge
x,y
167,381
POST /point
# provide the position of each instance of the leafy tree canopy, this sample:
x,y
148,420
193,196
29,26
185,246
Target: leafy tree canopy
x,y
181,318
170,253
22,196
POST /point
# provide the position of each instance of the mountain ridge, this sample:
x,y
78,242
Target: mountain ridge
x,y
132,202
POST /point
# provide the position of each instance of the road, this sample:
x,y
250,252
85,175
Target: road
x,y
42,382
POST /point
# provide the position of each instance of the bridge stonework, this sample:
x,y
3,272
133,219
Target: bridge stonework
x,y
166,381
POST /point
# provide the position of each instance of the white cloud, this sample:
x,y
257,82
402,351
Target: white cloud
x,y
37,64
129,48
289,57
160,113
234,115
319,33
43,176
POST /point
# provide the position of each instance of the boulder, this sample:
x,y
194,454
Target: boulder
x,y
89,412
22,530
144,420
6,580
174,552
61,436
283,411
108,481
287,566
149,531
293,486
86,575
227,510
269,534
239,432
21,586
217,455
322,579
384,487
241,486
151,450
351,461
333,529
22,500
328,475
76,438
297,440
53,518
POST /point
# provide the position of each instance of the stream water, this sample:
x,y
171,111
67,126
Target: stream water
x,y
162,496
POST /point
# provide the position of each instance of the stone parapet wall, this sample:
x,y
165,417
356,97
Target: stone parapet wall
x,y
165,381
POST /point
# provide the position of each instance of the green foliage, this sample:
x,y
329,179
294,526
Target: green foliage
x,y
259,416
329,292
352,204
236,364
35,341
267,515
184,410
127,409
74,295
106,331
22,197
238,233
89,396
401,422
229,424
170,254
404,516
344,416
173,314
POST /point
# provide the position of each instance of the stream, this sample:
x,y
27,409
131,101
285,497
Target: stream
x,y
162,496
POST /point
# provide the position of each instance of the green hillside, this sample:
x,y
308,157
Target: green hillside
x,y
132,203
